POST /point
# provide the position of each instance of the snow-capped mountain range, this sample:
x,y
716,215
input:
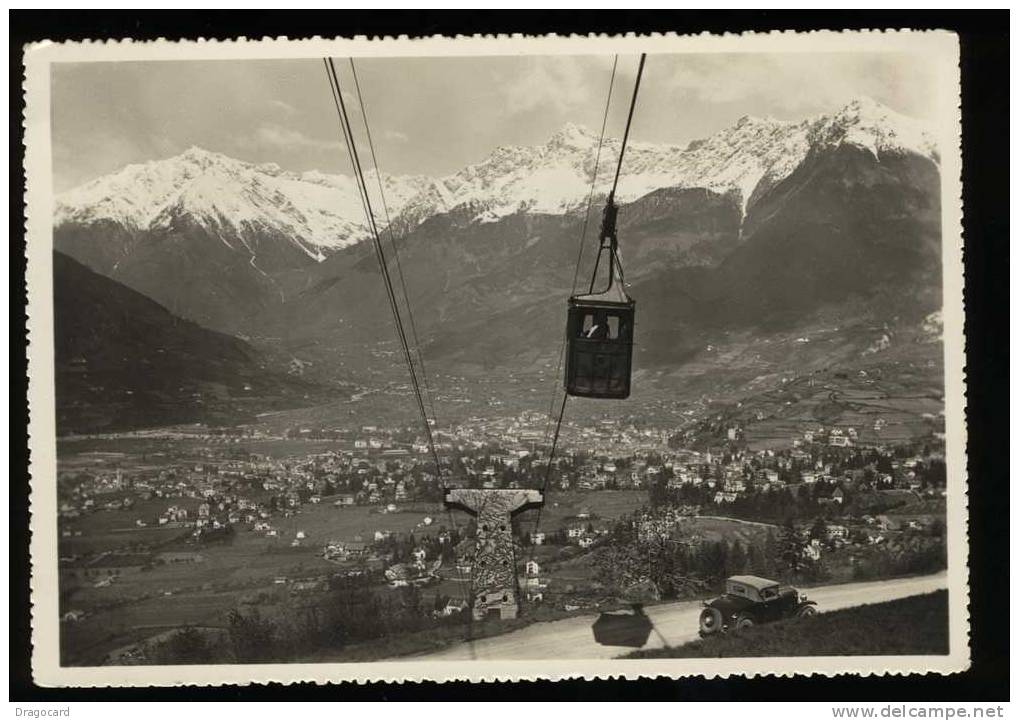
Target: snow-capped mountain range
x,y
318,213
316,210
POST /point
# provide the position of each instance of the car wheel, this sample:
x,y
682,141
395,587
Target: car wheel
x,y
743,623
711,621
804,611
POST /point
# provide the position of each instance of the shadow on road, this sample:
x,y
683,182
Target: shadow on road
x,y
627,627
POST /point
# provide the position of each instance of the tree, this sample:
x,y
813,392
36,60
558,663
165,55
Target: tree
x,y
411,601
819,530
252,637
186,645
790,547
757,563
658,494
737,558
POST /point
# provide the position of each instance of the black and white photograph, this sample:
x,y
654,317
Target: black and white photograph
x,y
464,359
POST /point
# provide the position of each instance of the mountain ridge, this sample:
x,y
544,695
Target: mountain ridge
x,y
320,213
772,219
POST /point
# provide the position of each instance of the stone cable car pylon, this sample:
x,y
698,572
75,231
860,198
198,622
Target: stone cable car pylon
x,y
494,566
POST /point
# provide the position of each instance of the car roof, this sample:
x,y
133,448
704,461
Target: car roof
x,y
753,581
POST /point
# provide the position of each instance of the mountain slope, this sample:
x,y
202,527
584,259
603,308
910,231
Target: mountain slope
x,y
847,235
758,226
124,361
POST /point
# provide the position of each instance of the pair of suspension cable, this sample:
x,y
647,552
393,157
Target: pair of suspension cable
x,y
359,176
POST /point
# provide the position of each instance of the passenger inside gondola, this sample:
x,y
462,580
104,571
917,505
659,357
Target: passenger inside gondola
x,y
596,326
612,327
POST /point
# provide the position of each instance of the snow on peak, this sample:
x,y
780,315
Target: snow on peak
x,y
312,209
573,136
556,177
866,123
316,210
744,159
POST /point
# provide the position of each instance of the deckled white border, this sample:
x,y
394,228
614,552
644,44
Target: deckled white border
x,y
941,47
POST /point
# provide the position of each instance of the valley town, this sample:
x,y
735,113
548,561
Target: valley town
x,y
201,544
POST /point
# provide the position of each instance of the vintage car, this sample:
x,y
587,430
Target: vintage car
x,y
750,600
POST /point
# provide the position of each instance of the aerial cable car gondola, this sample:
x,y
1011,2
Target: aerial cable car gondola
x,y
599,326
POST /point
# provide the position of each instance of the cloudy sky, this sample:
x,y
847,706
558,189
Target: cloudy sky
x,y
433,116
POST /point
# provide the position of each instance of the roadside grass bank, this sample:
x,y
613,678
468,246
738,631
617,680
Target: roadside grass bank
x,y
437,639
917,625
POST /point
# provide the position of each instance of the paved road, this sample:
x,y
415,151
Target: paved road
x,y
674,624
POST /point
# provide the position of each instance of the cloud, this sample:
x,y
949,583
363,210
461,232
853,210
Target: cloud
x,y
288,138
396,136
790,85
284,107
559,83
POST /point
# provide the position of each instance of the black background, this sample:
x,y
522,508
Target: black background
x,y
985,66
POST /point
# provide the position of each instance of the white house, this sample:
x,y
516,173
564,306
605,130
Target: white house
x,y
837,439
812,550
836,532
